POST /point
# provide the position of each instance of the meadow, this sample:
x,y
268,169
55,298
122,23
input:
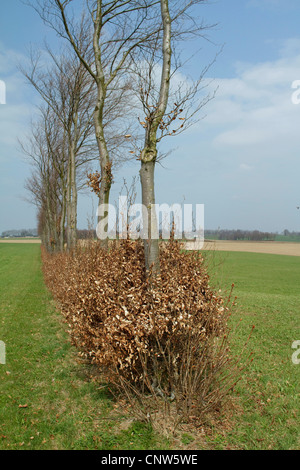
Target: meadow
x,y
268,297
51,399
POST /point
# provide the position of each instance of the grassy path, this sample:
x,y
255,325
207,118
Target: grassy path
x,y
47,400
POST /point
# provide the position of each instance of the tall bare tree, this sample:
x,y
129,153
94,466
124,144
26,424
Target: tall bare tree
x,y
116,29
47,185
168,109
139,36
69,92
149,153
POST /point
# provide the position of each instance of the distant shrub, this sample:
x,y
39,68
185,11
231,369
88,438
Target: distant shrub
x,y
163,340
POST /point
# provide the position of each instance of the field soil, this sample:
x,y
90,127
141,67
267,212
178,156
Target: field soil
x,y
20,240
274,248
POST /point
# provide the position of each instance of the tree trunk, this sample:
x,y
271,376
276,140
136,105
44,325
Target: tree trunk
x,y
151,241
62,222
105,164
71,199
149,153
73,202
68,206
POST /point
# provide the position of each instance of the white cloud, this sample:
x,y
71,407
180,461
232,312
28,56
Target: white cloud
x,y
290,48
15,117
8,61
245,167
20,101
255,107
245,153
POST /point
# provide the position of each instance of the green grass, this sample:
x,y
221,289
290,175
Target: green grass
x,y
47,397
287,238
62,407
268,296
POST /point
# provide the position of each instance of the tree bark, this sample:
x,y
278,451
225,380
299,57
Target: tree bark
x,y
149,153
72,201
151,243
105,164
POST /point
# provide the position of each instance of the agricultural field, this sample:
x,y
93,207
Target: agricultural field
x,y
268,297
50,399
20,240
266,247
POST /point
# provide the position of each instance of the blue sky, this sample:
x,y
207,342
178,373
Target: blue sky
x,y
241,160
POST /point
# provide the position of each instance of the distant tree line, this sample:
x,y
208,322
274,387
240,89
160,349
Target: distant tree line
x,y
252,235
20,233
287,233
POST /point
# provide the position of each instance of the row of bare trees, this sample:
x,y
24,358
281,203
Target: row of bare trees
x,y
109,95
60,143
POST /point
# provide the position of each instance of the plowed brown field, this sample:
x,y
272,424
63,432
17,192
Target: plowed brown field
x,y
274,248
20,240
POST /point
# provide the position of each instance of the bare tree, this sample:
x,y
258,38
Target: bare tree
x,y
168,109
68,91
139,36
116,29
149,153
47,185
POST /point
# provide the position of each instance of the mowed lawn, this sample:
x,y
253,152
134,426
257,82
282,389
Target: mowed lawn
x,y
49,400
